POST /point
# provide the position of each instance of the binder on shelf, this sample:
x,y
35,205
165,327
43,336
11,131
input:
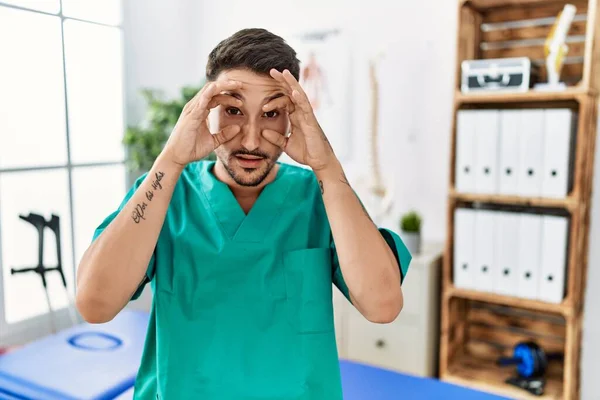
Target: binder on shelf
x,y
485,265
506,240
531,145
510,126
487,126
558,137
464,248
553,258
465,151
530,231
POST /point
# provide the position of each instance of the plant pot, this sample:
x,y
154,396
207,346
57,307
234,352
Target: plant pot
x,y
412,241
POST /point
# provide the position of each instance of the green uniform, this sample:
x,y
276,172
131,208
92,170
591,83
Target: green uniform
x,y
242,305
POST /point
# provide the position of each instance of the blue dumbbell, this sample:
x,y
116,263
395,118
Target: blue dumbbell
x,y
531,360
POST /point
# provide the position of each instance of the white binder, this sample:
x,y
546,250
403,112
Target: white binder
x,y
465,151
554,258
486,151
464,246
530,230
485,270
557,145
510,130
531,148
506,251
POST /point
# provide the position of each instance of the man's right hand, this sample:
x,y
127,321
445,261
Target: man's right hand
x,y
191,139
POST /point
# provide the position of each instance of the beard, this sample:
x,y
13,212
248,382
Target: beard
x,y
248,176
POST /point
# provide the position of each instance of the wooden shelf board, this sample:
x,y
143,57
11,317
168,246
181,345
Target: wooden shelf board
x,y
488,4
528,304
484,375
569,203
572,93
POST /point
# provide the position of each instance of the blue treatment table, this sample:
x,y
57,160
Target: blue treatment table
x,y
85,362
128,395
361,382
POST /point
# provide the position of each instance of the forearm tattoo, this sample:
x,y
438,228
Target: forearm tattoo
x,y
324,137
139,212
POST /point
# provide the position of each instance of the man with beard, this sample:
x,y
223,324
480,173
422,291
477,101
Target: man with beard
x,y
241,253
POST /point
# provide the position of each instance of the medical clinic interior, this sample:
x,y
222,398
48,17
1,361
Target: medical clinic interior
x,y
468,129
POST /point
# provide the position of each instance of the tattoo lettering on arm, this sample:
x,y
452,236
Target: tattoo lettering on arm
x,y
343,179
140,209
138,213
156,183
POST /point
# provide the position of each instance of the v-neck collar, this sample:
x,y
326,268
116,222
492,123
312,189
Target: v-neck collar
x,y
235,223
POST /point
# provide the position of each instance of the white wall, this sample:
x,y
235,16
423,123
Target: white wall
x,y
160,49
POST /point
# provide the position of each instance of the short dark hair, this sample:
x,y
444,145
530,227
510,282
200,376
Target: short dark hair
x,y
255,49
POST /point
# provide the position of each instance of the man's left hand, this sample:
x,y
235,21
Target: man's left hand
x,y
306,143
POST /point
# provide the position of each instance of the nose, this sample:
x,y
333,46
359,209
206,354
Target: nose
x,y
251,135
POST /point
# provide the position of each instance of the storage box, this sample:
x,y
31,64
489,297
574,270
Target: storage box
x,y
498,75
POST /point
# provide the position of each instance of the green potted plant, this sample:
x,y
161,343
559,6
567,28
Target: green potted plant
x,y
410,228
145,141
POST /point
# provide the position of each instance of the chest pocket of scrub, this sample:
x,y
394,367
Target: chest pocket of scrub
x,y
309,289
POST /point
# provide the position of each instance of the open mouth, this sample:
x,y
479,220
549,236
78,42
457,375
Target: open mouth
x,y
248,160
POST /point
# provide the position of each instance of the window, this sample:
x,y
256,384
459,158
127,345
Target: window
x,y
61,125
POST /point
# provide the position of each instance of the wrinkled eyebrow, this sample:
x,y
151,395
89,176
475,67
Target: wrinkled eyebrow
x,y
275,96
239,96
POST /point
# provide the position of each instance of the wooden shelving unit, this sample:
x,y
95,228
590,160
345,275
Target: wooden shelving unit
x,y
509,301
571,94
568,203
478,327
476,374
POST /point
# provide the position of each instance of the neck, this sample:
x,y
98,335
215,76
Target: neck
x,y
245,195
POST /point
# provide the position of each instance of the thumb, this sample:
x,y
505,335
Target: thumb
x,y
275,137
226,134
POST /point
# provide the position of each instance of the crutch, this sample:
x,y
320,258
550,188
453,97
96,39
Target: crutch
x,y
54,225
39,222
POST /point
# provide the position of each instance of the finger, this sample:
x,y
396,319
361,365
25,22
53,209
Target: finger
x,y
191,104
214,89
302,101
278,76
283,102
227,85
298,94
225,100
294,85
275,137
226,134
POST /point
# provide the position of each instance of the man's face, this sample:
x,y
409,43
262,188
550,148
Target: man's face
x,y
249,157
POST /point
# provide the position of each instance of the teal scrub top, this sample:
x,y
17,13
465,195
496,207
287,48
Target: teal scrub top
x,y
242,305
